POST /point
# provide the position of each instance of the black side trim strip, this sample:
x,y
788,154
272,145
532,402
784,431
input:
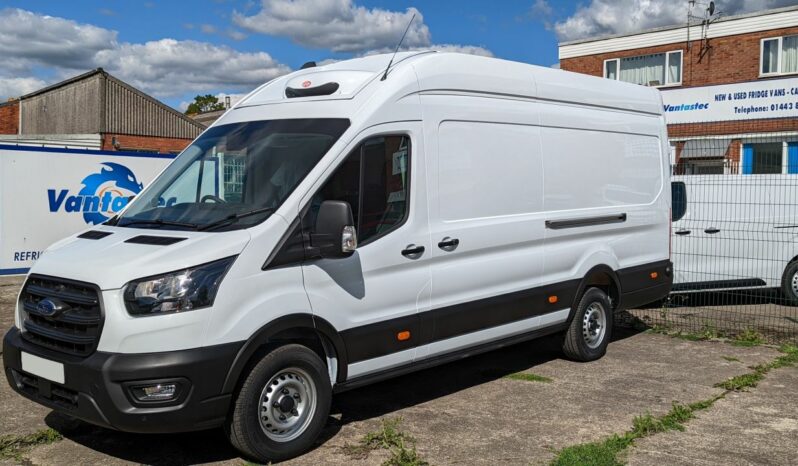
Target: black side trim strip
x,y
584,222
380,338
652,280
445,358
740,283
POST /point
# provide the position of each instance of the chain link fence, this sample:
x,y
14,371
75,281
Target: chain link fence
x,y
735,248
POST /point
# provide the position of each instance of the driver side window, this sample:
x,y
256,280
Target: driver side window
x,y
374,180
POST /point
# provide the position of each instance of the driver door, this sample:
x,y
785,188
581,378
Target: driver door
x,y
374,296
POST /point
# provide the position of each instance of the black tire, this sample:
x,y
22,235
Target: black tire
x,y
788,291
294,363
581,343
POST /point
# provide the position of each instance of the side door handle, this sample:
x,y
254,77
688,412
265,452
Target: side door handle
x,y
449,244
412,251
682,232
712,230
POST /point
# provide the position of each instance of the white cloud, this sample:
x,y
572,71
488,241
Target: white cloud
x,y
169,67
164,68
338,25
15,87
28,39
208,28
602,17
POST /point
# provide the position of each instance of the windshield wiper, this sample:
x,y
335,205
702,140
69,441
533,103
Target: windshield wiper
x,y
160,222
234,217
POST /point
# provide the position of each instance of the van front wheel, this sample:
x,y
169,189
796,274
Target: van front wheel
x,y
789,284
589,332
282,405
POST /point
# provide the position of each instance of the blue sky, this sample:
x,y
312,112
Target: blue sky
x,y
177,49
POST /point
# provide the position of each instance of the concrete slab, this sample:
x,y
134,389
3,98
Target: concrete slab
x,y
756,427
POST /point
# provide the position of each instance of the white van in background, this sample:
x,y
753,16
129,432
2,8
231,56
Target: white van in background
x,y
736,232
344,224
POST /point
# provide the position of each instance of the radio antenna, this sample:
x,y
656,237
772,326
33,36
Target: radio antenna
x,y
385,75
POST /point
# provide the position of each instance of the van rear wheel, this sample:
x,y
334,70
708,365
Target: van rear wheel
x,y
789,284
590,330
282,405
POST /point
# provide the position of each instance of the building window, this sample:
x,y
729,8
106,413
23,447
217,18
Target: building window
x,y
763,158
779,55
659,69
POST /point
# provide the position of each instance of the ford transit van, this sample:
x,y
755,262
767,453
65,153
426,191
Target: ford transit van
x,y
348,223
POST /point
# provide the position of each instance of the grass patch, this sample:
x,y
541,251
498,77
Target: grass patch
x,y
731,359
13,446
390,437
748,338
750,380
594,454
528,377
606,453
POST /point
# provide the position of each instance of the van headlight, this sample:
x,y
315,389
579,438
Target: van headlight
x,y
183,290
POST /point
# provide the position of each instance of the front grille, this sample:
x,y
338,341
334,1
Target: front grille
x,y
76,329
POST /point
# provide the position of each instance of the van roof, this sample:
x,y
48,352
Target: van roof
x,y
445,72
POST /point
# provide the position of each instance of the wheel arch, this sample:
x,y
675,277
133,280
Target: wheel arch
x,y
312,331
600,276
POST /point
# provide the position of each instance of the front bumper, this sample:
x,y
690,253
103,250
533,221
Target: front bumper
x,y
96,388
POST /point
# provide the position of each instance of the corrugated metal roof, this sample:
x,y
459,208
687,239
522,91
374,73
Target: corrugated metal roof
x,y
106,106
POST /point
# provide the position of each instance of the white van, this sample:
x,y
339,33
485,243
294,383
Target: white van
x,y
734,232
344,224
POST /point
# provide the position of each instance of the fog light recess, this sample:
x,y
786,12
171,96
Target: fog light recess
x,y
155,392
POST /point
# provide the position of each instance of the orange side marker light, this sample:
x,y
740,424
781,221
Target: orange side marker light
x,y
553,299
403,335
653,275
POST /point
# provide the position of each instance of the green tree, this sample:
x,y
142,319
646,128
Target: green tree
x,y
204,103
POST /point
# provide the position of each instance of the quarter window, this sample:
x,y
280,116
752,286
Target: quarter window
x,y
374,180
779,55
659,69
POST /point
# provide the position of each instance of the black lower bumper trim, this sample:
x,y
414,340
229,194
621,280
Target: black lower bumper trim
x,y
96,388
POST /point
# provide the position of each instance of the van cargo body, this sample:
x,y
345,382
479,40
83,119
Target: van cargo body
x,y
336,228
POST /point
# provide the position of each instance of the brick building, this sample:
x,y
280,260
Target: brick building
x,y
729,86
95,111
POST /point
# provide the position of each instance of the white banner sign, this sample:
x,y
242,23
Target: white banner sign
x,y
47,194
775,98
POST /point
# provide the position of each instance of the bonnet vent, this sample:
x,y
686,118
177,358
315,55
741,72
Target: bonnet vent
x,y
95,234
155,240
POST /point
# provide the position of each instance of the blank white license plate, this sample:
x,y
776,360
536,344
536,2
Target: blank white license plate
x,y
44,368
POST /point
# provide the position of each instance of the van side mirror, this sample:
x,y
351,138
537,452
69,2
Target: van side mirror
x,y
678,200
334,234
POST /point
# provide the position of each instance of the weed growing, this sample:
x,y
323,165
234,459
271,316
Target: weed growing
x,y
14,446
748,338
390,438
525,376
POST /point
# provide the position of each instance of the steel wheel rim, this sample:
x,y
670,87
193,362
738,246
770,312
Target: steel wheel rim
x,y
795,283
594,325
287,404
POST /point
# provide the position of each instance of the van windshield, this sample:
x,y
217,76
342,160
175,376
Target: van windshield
x,y
233,176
